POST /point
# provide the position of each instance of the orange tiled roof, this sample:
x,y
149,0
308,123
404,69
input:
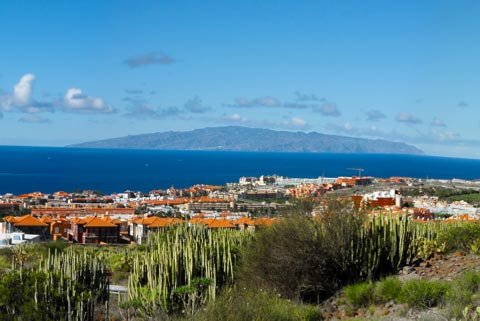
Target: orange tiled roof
x,y
99,222
162,222
207,221
112,220
28,220
264,221
61,193
461,217
46,219
196,220
244,220
143,220
9,219
221,224
205,199
134,219
177,201
86,220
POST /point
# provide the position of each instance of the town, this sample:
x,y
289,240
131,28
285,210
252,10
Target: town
x,y
89,217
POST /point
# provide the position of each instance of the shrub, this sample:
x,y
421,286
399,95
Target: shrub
x,y
460,236
306,259
469,281
360,294
388,289
247,305
423,293
288,257
309,259
462,294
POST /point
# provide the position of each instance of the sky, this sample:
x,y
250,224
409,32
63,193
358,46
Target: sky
x,y
76,71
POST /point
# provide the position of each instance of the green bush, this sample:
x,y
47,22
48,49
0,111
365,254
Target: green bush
x,y
388,289
360,294
460,236
462,294
366,293
309,259
469,281
288,257
423,293
306,259
247,305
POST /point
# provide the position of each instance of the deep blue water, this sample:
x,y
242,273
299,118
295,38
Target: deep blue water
x,y
48,169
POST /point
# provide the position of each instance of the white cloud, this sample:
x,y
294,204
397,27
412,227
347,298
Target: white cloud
x,y
23,90
21,100
76,101
298,122
21,95
235,118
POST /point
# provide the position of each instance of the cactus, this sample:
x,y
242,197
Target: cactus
x,y
176,258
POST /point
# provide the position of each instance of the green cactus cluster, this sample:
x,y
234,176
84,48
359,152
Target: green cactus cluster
x,y
175,260
71,286
390,241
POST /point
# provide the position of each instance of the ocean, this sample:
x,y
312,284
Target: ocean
x,y
50,169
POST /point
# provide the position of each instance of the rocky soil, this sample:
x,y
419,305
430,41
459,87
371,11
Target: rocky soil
x,y
446,267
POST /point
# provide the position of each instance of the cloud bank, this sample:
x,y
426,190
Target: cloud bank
x,y
75,101
21,100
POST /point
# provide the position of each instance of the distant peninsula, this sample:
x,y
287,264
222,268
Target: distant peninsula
x,y
236,138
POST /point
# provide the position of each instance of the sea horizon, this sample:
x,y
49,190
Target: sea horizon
x,y
25,169
69,146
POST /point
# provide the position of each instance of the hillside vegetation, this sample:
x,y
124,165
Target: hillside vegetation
x,y
288,271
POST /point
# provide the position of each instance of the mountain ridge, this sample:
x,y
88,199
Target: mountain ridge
x,y
237,138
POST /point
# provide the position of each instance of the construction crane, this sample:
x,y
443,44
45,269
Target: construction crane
x,y
360,170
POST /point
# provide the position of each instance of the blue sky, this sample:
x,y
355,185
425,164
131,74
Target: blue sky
x,y
74,71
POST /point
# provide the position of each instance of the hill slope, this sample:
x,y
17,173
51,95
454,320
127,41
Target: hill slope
x,y
233,138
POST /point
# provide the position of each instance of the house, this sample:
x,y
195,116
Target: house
x,y
221,224
18,238
9,208
59,228
27,224
93,230
244,223
81,211
140,227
